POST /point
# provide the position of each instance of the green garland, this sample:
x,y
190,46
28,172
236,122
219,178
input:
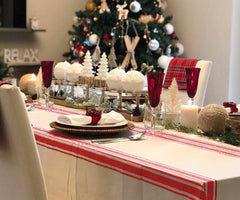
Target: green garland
x,y
229,136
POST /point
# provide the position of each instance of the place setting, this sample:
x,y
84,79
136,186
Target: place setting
x,y
93,123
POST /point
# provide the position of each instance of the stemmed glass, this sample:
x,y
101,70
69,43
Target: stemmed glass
x,y
155,80
192,75
47,71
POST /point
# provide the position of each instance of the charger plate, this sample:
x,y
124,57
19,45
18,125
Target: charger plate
x,y
92,130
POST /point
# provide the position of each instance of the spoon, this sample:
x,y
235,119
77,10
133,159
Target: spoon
x,y
134,137
29,108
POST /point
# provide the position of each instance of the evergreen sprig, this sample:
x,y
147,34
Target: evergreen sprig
x,y
229,136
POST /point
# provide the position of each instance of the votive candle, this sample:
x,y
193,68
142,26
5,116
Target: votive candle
x,y
189,116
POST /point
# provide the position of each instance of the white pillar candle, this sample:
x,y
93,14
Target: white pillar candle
x,y
31,85
189,116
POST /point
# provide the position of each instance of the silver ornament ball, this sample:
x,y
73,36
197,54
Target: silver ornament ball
x,y
153,45
135,6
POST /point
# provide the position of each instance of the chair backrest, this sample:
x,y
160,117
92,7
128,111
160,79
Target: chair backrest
x,y
202,83
20,167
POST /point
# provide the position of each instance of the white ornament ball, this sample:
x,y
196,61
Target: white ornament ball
x,y
212,119
73,72
153,45
135,6
133,81
180,50
93,39
169,28
60,70
163,61
114,79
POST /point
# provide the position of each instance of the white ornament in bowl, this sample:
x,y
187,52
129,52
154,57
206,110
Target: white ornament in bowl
x,y
73,72
133,81
60,70
114,79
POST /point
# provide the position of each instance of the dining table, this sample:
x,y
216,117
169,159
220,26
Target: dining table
x,y
163,165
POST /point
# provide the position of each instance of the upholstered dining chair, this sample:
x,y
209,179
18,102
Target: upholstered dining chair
x,y
20,167
205,67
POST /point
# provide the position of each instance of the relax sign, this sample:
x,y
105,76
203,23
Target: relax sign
x,y
13,55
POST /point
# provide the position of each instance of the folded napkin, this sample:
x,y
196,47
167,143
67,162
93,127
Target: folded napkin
x,y
75,119
111,118
106,118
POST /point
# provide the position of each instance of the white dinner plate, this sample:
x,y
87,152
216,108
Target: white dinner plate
x,y
123,123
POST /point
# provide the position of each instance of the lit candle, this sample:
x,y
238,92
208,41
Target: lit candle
x,y
31,85
189,116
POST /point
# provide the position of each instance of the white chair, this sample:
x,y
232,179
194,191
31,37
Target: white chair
x,y
202,84
20,168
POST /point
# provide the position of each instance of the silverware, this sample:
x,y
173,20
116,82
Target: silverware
x,y
133,137
29,108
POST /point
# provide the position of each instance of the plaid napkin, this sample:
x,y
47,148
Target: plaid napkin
x,y
176,69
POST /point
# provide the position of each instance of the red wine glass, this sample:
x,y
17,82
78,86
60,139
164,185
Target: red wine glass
x,y
155,80
47,71
192,75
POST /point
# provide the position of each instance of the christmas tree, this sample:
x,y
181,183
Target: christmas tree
x,y
132,32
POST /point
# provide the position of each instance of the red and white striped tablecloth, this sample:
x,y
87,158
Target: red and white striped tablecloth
x,y
164,165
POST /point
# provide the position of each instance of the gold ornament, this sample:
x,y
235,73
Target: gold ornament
x,y
146,19
91,6
81,54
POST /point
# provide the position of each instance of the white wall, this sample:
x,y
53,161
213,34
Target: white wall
x,y
204,27
234,79
56,16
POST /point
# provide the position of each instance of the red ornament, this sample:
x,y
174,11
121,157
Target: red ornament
x,y
95,114
231,105
85,49
80,60
79,48
106,37
173,34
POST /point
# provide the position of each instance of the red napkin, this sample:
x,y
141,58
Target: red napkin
x,y
176,69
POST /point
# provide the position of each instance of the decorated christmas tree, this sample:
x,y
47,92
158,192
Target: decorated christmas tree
x,y
131,32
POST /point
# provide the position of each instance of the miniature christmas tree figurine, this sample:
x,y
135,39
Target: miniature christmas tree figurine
x,y
87,65
173,105
103,67
112,59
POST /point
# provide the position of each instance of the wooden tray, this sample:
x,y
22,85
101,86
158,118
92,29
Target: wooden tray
x,y
70,105
91,131
130,117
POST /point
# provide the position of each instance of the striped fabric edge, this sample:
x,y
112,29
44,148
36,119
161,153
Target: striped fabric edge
x,y
230,151
178,181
